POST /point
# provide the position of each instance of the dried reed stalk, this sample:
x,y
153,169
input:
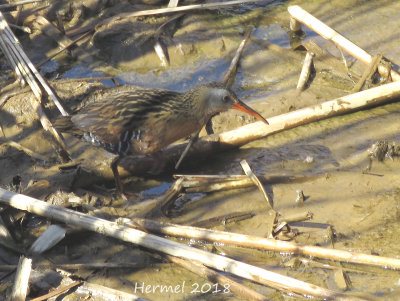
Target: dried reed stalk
x,y
153,242
21,282
150,12
264,243
305,71
328,33
215,277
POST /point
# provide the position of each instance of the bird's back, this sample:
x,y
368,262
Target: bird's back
x,y
123,117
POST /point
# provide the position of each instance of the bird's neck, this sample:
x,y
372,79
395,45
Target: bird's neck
x,y
191,107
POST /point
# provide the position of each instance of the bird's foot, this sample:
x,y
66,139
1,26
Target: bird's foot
x,y
126,195
118,183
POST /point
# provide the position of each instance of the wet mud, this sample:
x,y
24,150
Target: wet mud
x,y
328,157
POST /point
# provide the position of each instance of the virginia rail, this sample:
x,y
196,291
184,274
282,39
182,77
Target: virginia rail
x,y
144,121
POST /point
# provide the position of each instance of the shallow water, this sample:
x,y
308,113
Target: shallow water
x,y
330,154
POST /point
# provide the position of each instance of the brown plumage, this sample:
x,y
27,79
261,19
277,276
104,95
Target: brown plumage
x,y
144,121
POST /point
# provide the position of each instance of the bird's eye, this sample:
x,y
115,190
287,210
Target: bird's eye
x,y
226,99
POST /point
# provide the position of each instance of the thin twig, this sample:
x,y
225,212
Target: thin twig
x,y
10,5
84,79
24,58
368,72
23,68
159,47
229,75
226,219
150,12
23,28
72,43
78,266
7,96
57,291
12,60
247,170
343,59
26,150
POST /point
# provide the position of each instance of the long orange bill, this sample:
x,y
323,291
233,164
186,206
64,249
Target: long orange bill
x,y
241,106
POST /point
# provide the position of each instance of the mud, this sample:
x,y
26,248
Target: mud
x,y
329,155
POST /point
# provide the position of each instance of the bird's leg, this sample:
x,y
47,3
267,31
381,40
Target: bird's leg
x,y
193,138
117,178
209,127
209,130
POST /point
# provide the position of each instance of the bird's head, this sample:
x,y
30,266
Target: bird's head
x,y
217,98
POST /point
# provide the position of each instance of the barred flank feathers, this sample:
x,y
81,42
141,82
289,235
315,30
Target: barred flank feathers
x,y
64,124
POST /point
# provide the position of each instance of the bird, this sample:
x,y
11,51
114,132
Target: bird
x,y
142,121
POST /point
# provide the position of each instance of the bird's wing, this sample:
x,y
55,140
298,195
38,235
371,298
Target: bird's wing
x,y
129,110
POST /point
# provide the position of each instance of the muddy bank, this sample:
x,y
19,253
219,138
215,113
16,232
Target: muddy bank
x,y
329,155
